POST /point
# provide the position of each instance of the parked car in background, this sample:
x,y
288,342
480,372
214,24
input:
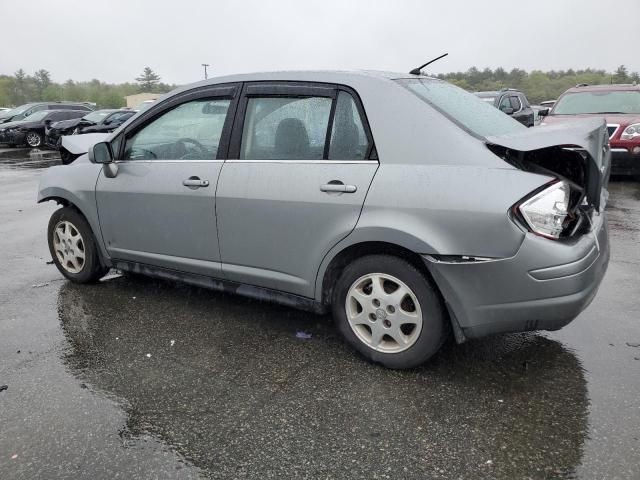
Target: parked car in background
x,y
512,102
110,123
30,131
619,106
547,103
23,111
403,204
4,109
100,121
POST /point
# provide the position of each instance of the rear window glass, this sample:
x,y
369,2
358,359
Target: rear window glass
x,y
463,108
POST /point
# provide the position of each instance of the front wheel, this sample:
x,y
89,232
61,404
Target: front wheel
x,y
73,247
388,311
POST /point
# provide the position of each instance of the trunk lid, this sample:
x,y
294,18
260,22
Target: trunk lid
x,y
587,137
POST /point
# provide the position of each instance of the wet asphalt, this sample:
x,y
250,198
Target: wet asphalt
x,y
135,378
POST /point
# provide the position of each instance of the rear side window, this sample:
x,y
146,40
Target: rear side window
x,y
348,136
461,107
190,131
285,128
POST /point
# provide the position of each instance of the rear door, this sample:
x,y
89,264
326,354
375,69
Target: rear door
x,y
159,209
300,163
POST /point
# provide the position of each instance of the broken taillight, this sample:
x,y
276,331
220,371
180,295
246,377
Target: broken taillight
x,y
545,212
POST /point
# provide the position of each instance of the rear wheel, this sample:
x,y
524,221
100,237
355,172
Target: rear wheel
x,y
33,139
389,311
73,247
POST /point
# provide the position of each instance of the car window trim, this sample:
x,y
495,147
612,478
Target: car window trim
x,y
277,88
229,91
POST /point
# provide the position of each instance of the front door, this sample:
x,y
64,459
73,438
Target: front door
x,y
301,162
159,208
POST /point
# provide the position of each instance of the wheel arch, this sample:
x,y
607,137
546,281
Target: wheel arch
x,y
65,198
332,269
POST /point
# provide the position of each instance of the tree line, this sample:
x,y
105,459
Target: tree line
x,y
21,88
536,85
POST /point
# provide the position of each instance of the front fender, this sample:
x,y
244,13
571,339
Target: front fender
x,y
76,185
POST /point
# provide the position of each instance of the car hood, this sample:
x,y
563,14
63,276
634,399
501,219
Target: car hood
x,y
586,134
79,144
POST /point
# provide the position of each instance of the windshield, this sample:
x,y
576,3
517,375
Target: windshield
x,y
95,117
464,108
612,101
17,110
34,117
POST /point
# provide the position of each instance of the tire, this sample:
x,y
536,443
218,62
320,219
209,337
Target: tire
x,y
33,139
73,246
402,345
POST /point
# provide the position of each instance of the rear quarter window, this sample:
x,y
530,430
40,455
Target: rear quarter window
x,y
461,107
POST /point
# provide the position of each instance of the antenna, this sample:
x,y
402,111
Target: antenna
x,y
416,71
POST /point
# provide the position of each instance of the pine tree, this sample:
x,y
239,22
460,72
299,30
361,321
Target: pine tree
x,y
148,80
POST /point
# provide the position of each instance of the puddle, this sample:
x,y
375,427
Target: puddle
x,y
22,158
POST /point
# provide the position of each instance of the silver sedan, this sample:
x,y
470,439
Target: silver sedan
x,y
410,209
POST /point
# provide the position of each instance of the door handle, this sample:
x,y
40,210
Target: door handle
x,y
336,186
195,182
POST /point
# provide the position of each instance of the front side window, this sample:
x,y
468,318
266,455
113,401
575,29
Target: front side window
x,y
118,117
285,128
505,103
515,103
36,117
191,131
96,117
348,137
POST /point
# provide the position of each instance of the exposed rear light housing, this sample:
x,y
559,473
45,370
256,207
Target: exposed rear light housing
x,y
545,212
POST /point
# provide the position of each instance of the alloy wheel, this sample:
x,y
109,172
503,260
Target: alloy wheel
x,y
384,313
69,247
33,139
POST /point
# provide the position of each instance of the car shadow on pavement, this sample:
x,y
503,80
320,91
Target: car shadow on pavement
x,y
229,384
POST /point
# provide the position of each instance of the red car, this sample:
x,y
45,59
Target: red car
x,y
619,105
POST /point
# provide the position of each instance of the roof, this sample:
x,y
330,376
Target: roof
x,y
345,77
495,93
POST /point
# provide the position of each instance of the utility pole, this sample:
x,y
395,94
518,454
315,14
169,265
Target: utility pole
x,y
205,65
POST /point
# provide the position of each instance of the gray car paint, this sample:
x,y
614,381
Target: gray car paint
x,y
437,191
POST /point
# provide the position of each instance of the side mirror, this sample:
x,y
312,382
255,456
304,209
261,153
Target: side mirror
x,y
100,153
543,112
47,122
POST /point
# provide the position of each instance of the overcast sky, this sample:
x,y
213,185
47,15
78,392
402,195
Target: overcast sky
x,y
113,40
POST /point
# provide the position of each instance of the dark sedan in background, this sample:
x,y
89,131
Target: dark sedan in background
x,y
30,131
23,111
100,121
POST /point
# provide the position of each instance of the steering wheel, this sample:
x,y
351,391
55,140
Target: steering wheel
x,y
201,154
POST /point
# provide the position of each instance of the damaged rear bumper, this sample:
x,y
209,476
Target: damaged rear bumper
x,y
543,287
